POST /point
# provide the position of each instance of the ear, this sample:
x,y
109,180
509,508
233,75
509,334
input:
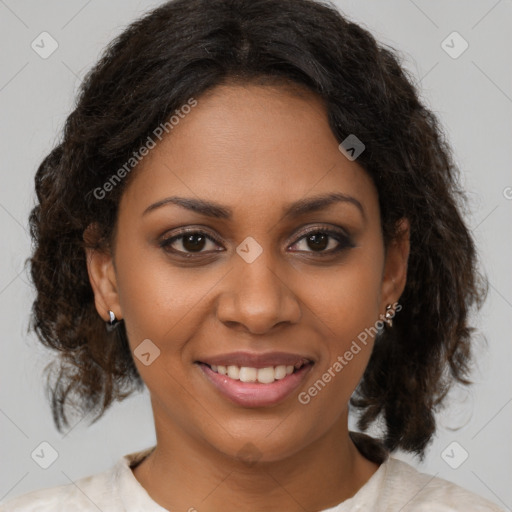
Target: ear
x,y
100,267
395,267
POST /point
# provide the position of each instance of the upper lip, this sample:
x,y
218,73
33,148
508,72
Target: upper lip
x,y
255,360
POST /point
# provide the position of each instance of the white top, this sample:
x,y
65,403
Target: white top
x,y
395,486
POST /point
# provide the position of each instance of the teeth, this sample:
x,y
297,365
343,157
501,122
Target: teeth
x,y
248,374
233,372
266,375
263,375
280,372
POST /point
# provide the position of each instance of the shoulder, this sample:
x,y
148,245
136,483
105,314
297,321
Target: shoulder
x,y
109,490
88,493
416,491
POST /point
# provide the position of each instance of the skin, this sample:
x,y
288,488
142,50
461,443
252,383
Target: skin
x,y
253,149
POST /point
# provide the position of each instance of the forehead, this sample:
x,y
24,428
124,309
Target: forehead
x,y
250,145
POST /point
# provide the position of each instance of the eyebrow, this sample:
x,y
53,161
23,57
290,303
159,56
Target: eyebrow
x,y
295,209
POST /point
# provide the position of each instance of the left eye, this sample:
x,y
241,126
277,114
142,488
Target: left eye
x,y
324,241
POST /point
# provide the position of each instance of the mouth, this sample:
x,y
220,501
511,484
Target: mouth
x,y
265,375
256,380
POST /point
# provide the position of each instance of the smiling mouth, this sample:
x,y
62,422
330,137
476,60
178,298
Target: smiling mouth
x,y
266,375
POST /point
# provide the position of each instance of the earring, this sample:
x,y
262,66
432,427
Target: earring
x,y
112,322
390,313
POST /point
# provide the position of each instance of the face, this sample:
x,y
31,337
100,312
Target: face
x,y
282,264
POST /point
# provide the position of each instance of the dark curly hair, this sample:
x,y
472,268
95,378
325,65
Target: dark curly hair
x,y
183,49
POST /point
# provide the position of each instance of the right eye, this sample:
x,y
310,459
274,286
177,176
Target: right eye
x,y
187,242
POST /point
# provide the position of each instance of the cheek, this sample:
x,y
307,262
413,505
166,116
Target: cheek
x,y
347,312
347,307
156,298
346,299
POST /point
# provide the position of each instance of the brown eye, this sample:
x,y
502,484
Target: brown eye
x,y
188,242
318,241
194,243
323,242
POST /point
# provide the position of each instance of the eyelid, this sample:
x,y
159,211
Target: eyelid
x,y
322,228
167,240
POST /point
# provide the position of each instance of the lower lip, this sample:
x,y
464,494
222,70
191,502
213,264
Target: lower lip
x,y
255,394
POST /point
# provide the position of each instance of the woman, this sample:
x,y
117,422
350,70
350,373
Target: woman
x,y
252,214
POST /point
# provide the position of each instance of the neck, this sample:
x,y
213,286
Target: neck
x,y
183,473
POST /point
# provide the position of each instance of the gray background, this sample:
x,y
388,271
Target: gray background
x,y
472,95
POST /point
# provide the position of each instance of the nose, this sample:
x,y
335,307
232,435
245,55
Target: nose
x,y
255,298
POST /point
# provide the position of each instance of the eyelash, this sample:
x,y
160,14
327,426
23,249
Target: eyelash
x,y
343,240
